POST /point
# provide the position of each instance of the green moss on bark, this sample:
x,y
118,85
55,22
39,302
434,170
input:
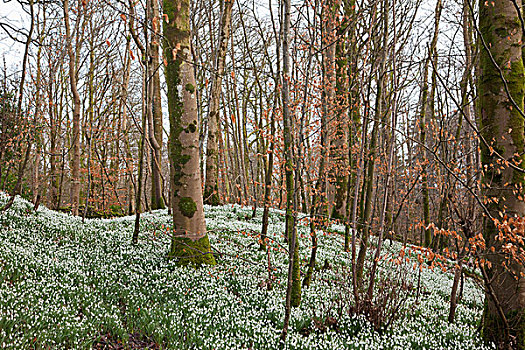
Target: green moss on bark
x,y
176,31
501,124
191,128
157,203
177,10
516,124
190,88
188,252
176,109
187,206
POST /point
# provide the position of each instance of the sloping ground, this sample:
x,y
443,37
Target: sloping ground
x,y
68,284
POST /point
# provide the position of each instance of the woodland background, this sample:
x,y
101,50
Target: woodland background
x,y
398,119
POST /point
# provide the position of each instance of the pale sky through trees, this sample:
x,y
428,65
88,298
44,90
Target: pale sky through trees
x,y
11,13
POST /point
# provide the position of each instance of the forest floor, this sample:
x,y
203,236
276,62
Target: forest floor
x,y
68,284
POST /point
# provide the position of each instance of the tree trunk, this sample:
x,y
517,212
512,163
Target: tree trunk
x,y
211,190
190,240
123,115
144,126
366,198
54,131
36,166
328,101
390,142
89,136
368,183
157,201
268,179
501,124
339,153
271,142
353,116
293,290
75,137
423,125
454,293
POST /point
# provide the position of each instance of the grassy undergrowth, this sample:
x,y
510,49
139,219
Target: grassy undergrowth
x,y
68,284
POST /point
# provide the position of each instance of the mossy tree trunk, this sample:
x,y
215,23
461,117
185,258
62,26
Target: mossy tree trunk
x,y
211,189
501,88
190,242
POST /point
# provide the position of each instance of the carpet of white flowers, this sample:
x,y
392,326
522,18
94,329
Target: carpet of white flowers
x,y
68,284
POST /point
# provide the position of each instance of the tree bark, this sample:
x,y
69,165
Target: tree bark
x,y
211,190
293,290
75,137
190,242
38,101
423,125
501,90
157,201
339,153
